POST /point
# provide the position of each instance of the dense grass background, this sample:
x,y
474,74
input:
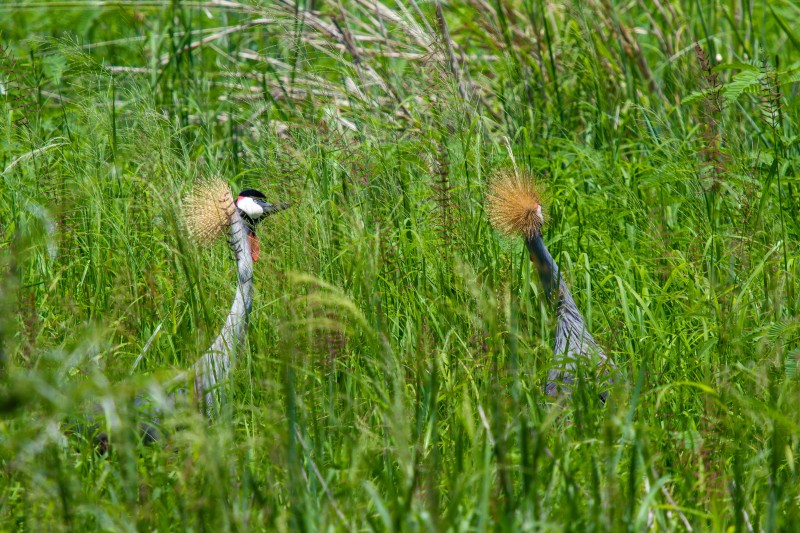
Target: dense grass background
x,y
398,346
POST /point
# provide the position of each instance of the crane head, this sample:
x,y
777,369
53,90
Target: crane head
x,y
209,208
514,204
254,207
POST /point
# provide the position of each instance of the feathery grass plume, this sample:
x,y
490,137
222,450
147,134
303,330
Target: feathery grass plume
x,y
209,207
770,95
443,196
514,203
713,159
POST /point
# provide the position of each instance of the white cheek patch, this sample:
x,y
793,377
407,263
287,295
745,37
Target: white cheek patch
x,y
249,207
539,213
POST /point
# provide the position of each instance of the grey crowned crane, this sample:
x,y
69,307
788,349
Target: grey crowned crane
x,y
514,206
210,213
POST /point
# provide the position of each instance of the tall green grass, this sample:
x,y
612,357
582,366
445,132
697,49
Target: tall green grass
x,y
398,347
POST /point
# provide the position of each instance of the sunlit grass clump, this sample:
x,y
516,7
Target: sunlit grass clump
x,y
398,353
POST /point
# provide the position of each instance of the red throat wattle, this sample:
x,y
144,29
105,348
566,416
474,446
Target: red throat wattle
x,y
255,250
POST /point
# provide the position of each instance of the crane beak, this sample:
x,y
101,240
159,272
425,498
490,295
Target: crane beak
x,y
271,209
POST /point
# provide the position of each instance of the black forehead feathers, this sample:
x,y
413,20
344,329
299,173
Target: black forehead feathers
x,y
252,193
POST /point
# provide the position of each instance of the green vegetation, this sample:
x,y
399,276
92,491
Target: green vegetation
x,y
398,345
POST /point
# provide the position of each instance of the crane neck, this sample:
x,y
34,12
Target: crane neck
x,y
243,302
556,291
545,265
244,259
213,366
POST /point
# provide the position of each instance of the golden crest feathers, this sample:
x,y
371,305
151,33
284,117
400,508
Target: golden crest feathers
x,y
208,209
514,203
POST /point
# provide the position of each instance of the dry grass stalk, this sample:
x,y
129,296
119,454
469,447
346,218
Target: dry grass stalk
x,y
714,161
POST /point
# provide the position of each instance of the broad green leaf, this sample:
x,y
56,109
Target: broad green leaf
x,y
740,83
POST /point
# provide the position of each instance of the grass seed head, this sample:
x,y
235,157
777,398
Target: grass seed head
x,y
208,209
514,203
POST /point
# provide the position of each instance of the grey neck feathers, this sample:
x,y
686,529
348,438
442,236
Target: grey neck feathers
x,y
550,276
543,261
572,340
213,366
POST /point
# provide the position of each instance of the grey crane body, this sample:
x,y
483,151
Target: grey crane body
x,y
573,342
212,367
